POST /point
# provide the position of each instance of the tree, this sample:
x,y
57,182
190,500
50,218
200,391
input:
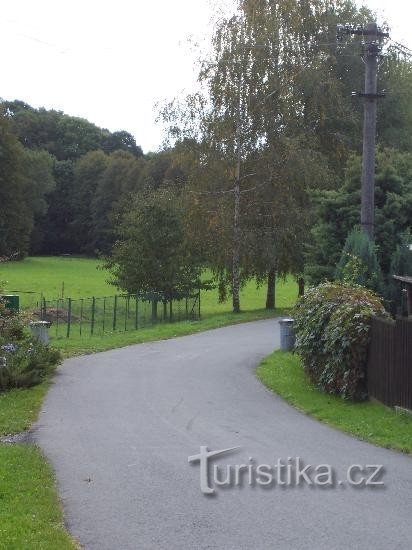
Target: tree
x,y
88,172
359,264
337,212
25,178
54,226
151,254
121,141
113,189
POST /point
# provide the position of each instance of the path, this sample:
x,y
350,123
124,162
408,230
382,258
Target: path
x,y
119,426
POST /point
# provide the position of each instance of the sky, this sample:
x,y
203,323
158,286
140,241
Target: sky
x,y
112,61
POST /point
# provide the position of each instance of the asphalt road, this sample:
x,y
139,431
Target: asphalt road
x,y
119,427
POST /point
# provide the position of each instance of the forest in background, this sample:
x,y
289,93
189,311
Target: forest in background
x,y
261,176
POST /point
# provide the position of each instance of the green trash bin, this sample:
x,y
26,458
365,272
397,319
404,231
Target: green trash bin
x,y
11,301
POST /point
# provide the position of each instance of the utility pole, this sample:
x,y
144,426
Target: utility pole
x,y
372,48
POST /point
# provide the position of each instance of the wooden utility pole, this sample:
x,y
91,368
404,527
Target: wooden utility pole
x,y
373,36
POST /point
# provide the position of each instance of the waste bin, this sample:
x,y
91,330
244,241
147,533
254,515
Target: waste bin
x,y
40,331
287,334
11,301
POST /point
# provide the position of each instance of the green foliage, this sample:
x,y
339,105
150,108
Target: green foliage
x,y
25,178
333,328
337,212
359,264
401,264
152,254
23,362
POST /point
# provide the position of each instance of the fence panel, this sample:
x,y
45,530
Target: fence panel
x,y
123,312
390,362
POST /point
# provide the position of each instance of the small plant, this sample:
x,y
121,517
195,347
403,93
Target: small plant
x,y
332,328
23,362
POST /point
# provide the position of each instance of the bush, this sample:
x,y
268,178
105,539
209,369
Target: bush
x,y
332,329
23,362
359,264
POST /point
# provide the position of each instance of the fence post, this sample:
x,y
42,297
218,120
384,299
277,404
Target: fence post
x,y
198,299
136,312
44,309
126,312
104,313
115,313
69,317
93,314
57,317
81,316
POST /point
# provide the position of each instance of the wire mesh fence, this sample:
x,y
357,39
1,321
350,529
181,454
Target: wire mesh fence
x,y
124,312
103,315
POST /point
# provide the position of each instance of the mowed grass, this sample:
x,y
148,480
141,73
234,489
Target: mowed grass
x,y
30,512
79,277
84,277
282,372
19,408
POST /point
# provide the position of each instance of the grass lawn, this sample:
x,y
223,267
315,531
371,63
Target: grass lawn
x,y
19,408
31,515
82,278
282,372
30,512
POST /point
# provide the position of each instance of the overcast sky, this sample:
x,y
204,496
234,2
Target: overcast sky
x,y
111,61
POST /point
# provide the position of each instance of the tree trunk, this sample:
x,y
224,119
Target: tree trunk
x,y
301,284
236,219
271,290
236,250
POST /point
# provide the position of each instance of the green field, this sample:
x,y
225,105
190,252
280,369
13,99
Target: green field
x,y
83,277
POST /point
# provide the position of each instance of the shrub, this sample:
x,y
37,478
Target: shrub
x,y
359,264
23,362
332,329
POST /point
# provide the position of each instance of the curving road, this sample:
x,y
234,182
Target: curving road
x,y
119,426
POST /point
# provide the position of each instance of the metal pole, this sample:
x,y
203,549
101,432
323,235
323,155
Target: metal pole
x,y
93,314
69,317
104,313
115,313
371,53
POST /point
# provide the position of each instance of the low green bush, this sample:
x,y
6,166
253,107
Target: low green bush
x,y
24,362
332,335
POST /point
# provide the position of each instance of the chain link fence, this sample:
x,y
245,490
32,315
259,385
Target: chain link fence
x,y
108,314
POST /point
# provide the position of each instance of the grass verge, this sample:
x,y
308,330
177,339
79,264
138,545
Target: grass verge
x,y
30,512
31,516
20,408
369,421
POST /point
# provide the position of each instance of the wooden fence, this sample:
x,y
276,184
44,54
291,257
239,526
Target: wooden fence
x,y
390,362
